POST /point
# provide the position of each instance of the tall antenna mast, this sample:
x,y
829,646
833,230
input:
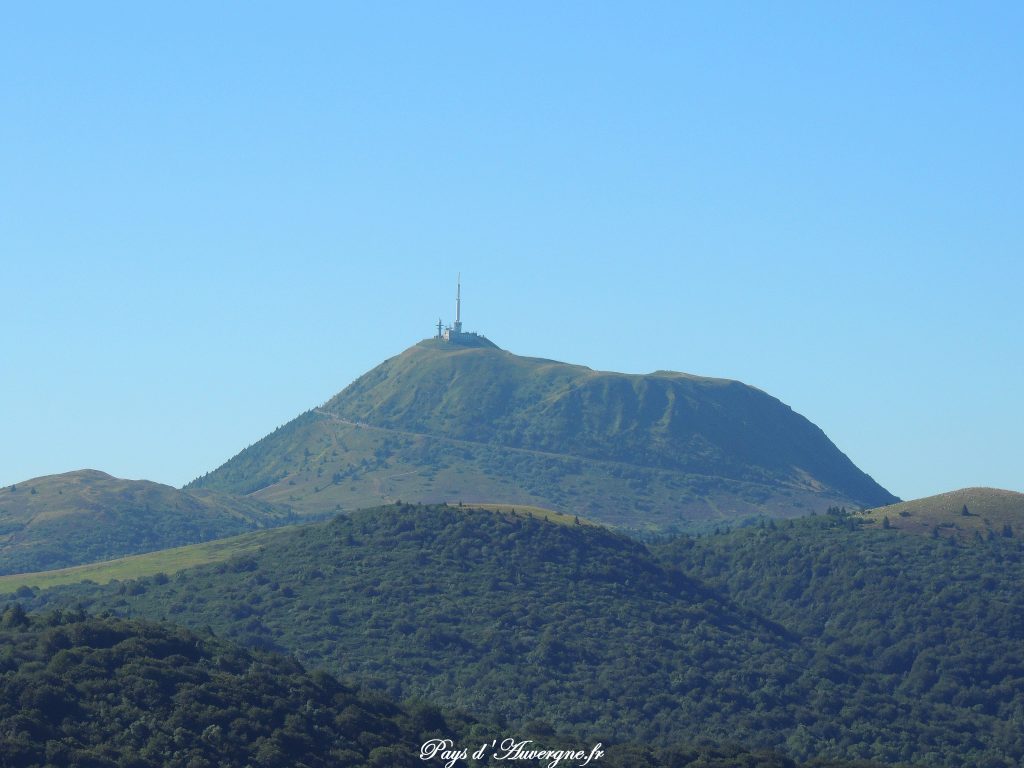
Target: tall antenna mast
x,y
458,305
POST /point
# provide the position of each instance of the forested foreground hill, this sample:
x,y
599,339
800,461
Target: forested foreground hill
x,y
930,630
504,615
108,693
817,637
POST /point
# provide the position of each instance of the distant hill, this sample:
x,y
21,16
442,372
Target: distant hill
x,y
443,422
81,517
965,513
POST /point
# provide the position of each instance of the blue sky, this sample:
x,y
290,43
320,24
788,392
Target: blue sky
x,y
214,216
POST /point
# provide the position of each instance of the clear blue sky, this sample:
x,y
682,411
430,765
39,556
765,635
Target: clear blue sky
x,y
214,216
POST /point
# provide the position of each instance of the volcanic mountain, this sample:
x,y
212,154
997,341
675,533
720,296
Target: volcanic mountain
x,y
446,421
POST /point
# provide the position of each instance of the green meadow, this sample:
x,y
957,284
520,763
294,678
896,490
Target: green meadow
x,y
136,566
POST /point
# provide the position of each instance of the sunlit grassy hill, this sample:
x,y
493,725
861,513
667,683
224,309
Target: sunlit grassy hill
x,y
966,513
85,516
164,561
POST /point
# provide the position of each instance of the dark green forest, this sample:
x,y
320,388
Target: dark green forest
x,y
106,693
86,692
817,638
931,628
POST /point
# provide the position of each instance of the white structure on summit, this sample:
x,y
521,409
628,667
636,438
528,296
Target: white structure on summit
x,y
453,333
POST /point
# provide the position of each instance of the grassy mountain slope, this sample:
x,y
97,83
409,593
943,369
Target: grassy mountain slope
x,y
81,517
990,512
444,422
780,639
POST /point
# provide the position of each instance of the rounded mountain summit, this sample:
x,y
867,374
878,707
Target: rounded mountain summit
x,y
458,419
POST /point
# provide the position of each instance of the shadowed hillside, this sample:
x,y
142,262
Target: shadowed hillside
x,y
106,693
84,692
932,629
